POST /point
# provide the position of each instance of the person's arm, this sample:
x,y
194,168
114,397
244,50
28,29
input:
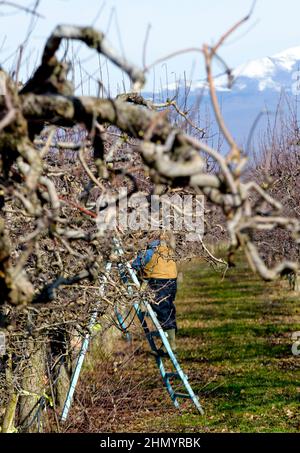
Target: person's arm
x,y
137,263
143,258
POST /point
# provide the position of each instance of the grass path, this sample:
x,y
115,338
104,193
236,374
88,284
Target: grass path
x,y
234,343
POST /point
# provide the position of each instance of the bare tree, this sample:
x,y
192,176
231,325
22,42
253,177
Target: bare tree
x,y
52,254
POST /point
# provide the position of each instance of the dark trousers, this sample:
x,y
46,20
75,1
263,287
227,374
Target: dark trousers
x,y
164,307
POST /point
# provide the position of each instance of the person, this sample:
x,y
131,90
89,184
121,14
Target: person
x,y
156,266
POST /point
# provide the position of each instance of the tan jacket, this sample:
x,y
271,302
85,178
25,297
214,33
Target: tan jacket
x,y
161,265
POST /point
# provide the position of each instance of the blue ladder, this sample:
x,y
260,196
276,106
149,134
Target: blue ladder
x,y
157,332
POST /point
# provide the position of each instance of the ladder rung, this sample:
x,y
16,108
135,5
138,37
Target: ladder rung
x,y
182,395
145,314
154,333
172,375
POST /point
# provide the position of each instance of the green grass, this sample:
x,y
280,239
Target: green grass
x,y
234,343
236,336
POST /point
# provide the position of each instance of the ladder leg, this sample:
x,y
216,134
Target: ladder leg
x,y
83,351
148,334
173,358
122,324
159,361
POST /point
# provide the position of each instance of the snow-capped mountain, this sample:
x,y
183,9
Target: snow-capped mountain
x,y
257,87
274,73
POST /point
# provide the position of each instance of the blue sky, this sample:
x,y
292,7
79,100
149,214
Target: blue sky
x,y
175,25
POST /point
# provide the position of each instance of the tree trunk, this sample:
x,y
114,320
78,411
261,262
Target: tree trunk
x,y
8,425
62,387
8,422
33,386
